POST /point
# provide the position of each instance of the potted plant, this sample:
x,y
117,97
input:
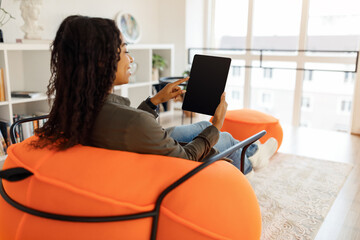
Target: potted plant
x,y
158,64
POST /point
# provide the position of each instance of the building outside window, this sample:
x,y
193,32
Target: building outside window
x,y
236,71
235,95
308,75
349,77
306,103
265,100
344,106
268,73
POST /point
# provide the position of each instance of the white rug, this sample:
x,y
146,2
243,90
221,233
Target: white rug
x,y
295,194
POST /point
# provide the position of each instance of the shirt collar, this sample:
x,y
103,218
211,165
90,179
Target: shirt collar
x,y
113,98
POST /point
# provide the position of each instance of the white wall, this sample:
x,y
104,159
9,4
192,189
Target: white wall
x,y
161,21
195,24
172,30
182,22
54,11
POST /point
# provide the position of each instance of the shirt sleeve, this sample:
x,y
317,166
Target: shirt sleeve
x,y
150,137
145,107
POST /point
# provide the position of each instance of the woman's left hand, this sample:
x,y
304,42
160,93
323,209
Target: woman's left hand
x,y
170,91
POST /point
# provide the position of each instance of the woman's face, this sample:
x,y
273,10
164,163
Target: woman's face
x,y
123,69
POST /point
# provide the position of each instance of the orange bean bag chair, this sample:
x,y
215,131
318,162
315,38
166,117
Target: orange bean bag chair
x,y
216,203
244,123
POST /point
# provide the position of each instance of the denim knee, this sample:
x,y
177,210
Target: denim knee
x,y
205,124
228,136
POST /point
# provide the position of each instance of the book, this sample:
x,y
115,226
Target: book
x,y
5,130
27,127
2,85
28,130
3,146
25,94
18,129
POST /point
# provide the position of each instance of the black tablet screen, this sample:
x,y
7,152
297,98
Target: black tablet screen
x,y
207,82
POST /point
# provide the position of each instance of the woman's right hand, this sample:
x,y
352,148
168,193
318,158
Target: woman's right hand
x,y
220,112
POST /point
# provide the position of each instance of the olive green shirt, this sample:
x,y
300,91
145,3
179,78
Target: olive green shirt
x,y
121,127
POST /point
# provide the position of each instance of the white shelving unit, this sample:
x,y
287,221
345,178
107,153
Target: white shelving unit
x,y
27,67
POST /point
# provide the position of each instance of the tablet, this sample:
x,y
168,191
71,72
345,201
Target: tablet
x,y
207,82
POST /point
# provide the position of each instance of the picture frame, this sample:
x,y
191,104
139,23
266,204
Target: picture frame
x,y
128,26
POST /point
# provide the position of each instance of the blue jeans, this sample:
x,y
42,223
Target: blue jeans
x,y
186,133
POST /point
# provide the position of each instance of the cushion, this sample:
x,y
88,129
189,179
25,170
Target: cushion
x,y
216,203
244,123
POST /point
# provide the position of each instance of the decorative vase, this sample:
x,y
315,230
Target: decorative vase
x,y
155,74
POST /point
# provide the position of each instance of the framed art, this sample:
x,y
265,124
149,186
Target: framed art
x,y
128,26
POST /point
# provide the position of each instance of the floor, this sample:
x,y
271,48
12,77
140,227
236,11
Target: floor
x,y
343,219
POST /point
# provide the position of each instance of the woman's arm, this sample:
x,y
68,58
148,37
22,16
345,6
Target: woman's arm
x,y
170,91
149,137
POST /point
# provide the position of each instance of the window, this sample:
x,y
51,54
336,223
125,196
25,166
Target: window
x,y
345,106
280,87
349,77
334,17
235,95
230,25
308,75
268,72
306,103
265,100
236,71
327,91
276,24
305,124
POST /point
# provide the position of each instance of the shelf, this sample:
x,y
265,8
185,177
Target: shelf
x,y
134,85
150,46
142,84
25,46
27,68
46,46
26,100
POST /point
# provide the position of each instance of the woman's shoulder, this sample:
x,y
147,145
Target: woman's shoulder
x,y
123,113
117,99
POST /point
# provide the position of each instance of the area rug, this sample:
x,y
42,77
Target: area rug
x,y
295,194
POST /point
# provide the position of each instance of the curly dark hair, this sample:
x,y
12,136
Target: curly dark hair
x,y
84,59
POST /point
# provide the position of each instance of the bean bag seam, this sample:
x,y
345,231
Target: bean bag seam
x,y
190,224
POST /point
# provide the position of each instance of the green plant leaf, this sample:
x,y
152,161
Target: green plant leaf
x,y
158,62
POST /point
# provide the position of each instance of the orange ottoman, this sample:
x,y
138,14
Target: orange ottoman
x,y
244,123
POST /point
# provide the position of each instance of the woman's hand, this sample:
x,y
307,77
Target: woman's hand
x,y
220,112
170,91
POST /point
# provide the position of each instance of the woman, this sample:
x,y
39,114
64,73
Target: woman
x,y
88,58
